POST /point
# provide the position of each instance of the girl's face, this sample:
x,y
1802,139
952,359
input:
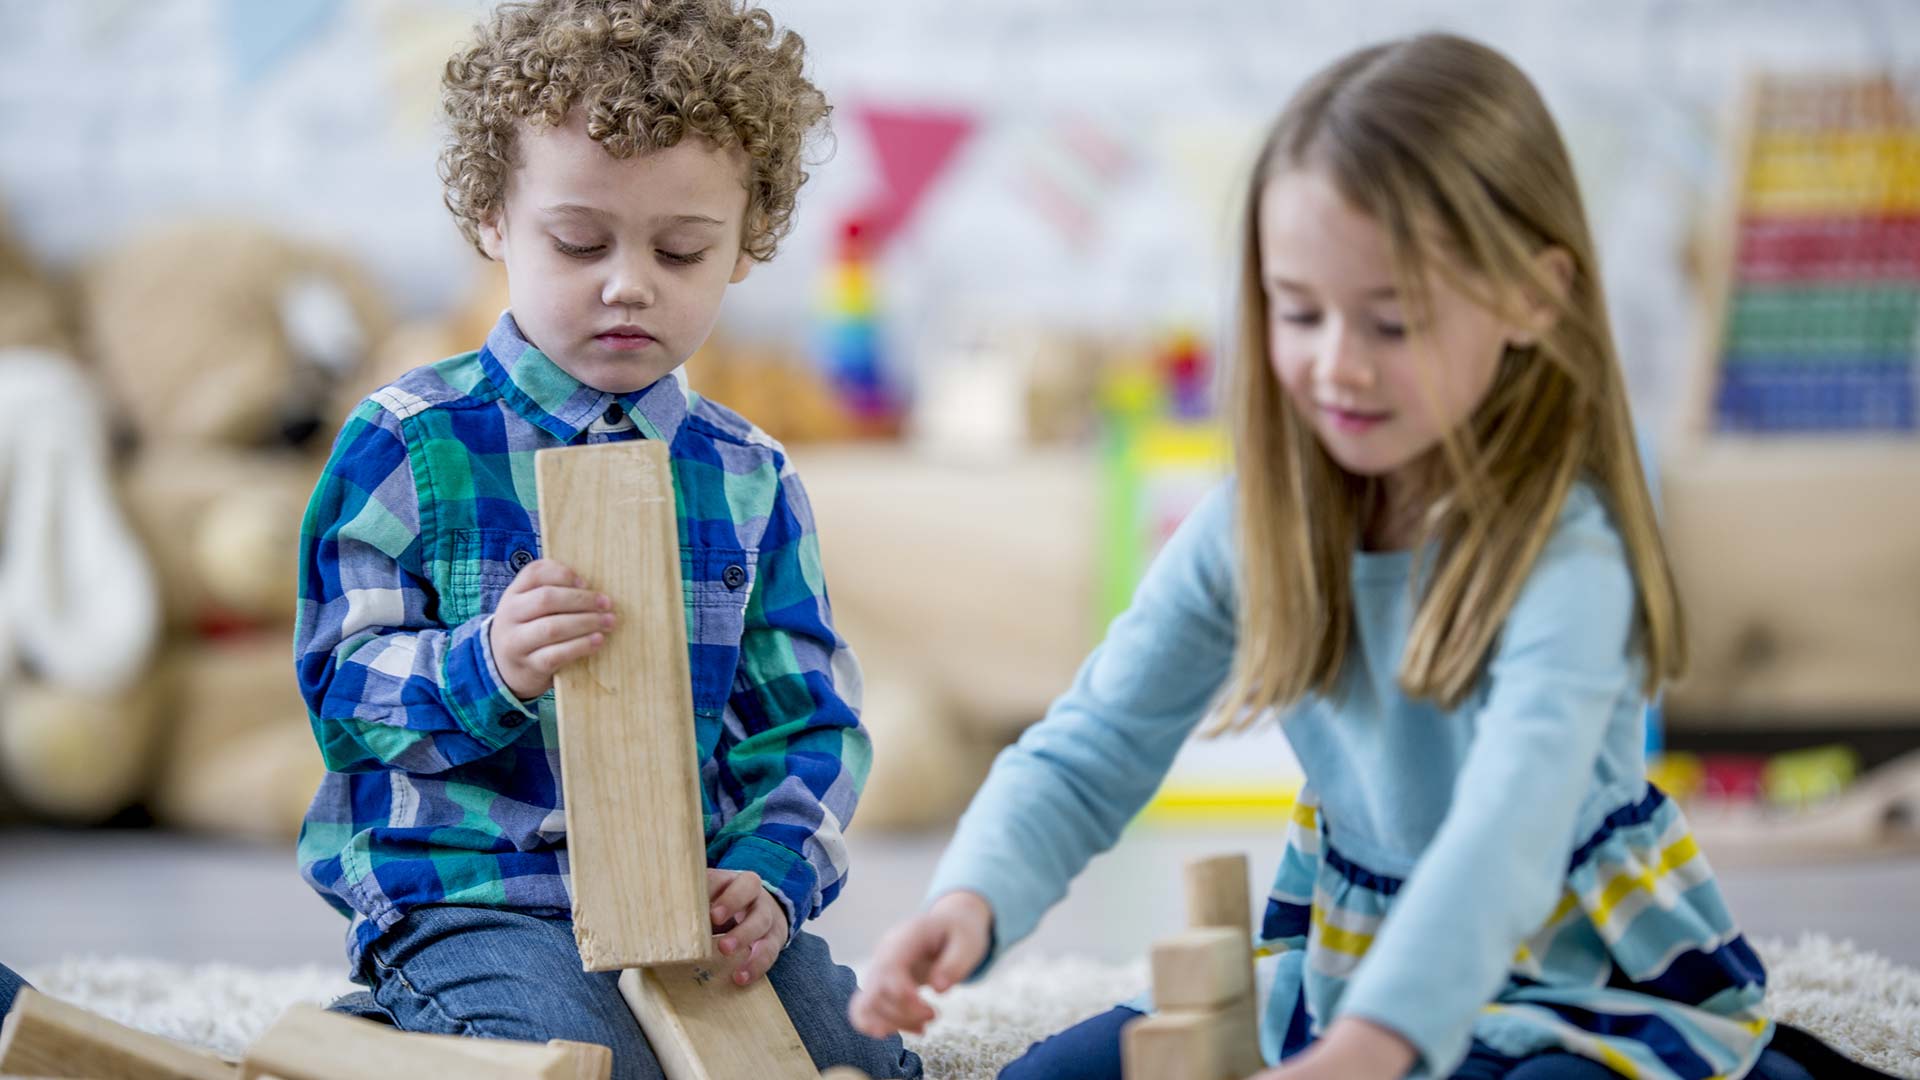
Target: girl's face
x,y
1378,392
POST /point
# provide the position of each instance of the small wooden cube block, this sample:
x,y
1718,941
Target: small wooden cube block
x,y
1202,969
1174,1046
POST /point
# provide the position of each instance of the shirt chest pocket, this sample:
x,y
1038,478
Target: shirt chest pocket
x,y
716,583
484,562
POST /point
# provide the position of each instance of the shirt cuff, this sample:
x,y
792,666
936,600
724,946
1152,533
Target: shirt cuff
x,y
475,693
784,872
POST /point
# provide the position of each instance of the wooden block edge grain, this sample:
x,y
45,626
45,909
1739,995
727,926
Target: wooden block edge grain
x,y
69,1032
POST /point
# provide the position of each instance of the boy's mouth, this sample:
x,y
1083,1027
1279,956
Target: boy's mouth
x,y
624,337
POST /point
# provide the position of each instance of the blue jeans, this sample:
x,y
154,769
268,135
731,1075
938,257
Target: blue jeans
x,y
10,984
501,975
1090,1050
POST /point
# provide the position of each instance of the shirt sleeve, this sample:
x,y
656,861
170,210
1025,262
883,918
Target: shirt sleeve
x,y
1072,782
386,686
1498,862
792,756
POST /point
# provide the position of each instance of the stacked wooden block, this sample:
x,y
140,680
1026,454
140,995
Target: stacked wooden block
x,y
1206,1022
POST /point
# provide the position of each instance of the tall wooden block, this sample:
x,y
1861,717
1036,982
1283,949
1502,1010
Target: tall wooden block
x,y
1202,969
46,1037
636,844
703,1027
1217,893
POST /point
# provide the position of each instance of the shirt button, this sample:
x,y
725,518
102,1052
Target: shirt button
x,y
614,414
733,577
519,560
511,719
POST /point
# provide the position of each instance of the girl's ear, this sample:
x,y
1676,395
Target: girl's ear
x,y
493,237
1538,313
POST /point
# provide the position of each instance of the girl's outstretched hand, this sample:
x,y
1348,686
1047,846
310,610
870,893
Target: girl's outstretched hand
x,y
937,948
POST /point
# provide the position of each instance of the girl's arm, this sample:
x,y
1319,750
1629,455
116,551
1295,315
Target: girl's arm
x,y
1062,793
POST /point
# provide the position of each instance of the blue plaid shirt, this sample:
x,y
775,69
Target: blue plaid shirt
x,y
442,787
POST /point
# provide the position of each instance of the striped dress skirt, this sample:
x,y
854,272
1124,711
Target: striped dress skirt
x,y
1639,967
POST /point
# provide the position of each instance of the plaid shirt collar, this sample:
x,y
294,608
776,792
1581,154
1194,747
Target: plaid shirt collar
x,y
563,406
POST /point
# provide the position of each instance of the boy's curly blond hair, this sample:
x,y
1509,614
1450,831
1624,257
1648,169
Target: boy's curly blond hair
x,y
648,73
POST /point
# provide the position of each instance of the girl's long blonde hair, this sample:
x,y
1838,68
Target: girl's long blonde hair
x,y
1447,145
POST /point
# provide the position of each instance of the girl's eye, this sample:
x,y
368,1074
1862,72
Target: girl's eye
x,y
683,259
576,250
1391,331
1300,318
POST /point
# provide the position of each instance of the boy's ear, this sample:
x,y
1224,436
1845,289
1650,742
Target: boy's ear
x,y
742,266
493,240
1554,266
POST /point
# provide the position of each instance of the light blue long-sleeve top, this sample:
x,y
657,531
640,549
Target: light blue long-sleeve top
x,y
1479,807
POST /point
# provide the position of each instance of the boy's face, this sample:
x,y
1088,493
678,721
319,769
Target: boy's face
x,y
615,268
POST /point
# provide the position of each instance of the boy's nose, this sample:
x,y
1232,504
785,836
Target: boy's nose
x,y
628,287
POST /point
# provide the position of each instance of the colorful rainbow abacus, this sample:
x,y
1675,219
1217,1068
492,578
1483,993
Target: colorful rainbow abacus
x,y
1819,332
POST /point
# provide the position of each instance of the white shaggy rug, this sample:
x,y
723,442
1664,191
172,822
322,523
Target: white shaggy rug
x,y
1861,1004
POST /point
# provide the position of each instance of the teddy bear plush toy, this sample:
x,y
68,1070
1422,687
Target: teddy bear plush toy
x,y
218,350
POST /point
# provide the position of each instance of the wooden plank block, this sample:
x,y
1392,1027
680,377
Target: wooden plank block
x,y
703,1027
626,714
844,1072
1202,969
47,1037
1217,893
587,1061
310,1043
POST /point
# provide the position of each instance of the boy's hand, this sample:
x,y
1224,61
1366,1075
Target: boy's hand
x,y
545,621
938,948
751,924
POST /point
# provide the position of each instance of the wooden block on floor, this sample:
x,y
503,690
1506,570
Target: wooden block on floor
x,y
1202,969
1217,893
46,1037
587,1061
703,1027
1173,1046
628,761
310,1043
844,1072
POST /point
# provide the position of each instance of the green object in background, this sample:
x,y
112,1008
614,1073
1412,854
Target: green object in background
x,y
1805,778
1850,322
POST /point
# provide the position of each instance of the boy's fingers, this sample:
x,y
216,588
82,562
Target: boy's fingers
x,y
554,629
560,600
552,658
542,572
737,896
757,924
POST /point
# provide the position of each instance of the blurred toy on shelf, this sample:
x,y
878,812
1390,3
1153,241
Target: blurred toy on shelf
x,y
781,393
993,393
224,348
849,346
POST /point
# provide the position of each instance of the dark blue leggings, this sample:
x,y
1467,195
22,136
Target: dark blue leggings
x,y
1090,1050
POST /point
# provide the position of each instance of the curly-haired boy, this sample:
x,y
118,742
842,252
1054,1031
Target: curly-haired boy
x,y
627,160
